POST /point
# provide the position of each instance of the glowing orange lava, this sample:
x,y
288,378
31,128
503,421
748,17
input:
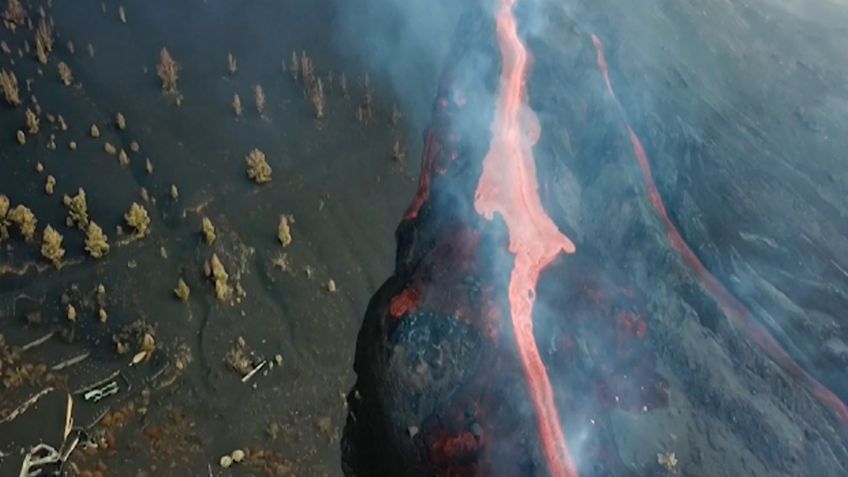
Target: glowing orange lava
x,y
508,186
430,152
732,307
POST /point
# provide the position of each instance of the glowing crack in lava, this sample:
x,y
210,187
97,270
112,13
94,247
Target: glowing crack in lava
x,y
509,187
730,305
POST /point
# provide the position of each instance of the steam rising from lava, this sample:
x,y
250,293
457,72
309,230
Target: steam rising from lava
x,y
491,234
508,186
732,307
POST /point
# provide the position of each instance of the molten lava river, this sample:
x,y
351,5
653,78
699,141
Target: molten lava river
x,y
499,347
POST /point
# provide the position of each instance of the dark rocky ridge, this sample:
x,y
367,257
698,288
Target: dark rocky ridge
x,y
737,185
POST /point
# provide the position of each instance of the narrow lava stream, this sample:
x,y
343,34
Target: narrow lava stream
x,y
730,305
508,186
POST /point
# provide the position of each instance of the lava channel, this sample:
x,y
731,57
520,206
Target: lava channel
x,y
730,305
508,186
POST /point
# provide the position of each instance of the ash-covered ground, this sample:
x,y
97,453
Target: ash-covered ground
x,y
735,108
334,178
741,110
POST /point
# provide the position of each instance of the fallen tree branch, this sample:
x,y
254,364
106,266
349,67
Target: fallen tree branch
x,y
26,405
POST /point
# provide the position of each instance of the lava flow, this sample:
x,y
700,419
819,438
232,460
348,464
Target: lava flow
x,y
450,380
732,307
508,186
